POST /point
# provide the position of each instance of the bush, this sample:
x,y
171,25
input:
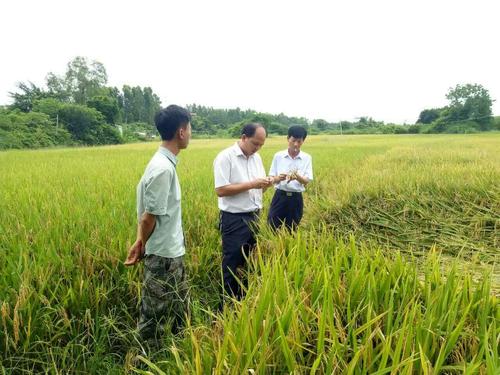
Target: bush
x,y
30,130
414,129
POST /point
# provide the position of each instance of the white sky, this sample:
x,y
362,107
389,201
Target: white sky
x,y
336,60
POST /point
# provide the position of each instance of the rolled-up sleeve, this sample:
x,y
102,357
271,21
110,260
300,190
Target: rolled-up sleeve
x,y
222,171
156,193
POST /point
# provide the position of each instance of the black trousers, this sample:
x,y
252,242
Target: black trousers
x,y
238,240
286,209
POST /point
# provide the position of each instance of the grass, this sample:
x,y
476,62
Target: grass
x,y
394,269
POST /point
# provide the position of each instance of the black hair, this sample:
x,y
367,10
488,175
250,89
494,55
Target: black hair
x,y
297,132
250,128
169,120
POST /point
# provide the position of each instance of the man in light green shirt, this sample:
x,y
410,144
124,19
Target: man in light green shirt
x,y
160,238
159,194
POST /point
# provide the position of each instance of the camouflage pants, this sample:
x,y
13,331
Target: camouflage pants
x,y
165,297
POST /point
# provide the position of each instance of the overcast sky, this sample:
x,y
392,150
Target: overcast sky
x,y
335,60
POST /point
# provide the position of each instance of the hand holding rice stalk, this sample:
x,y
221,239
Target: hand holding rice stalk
x,y
292,175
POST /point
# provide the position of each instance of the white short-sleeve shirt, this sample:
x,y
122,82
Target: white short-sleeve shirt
x,y
284,163
231,166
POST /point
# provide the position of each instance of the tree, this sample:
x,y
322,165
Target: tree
x,y
152,104
33,129
139,105
106,105
87,126
470,102
49,106
275,127
25,99
428,115
82,122
82,81
57,87
320,124
137,108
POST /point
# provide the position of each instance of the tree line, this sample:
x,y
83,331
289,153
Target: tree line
x,y
469,111
78,108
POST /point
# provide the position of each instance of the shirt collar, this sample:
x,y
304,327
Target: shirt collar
x,y
166,152
238,151
287,155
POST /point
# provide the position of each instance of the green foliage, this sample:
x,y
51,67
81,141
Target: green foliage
x,y
57,88
470,102
414,129
29,94
49,106
469,111
318,302
320,125
82,122
108,135
139,105
30,130
82,80
235,130
80,102
496,123
427,116
456,127
106,105
211,122
87,126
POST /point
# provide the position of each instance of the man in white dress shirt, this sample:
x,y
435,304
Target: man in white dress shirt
x,y
292,171
240,179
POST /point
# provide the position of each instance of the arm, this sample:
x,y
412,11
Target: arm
x,y
273,171
223,185
279,178
144,230
233,189
303,180
155,191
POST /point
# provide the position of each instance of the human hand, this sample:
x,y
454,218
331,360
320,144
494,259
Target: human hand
x,y
270,180
293,175
263,182
135,253
280,177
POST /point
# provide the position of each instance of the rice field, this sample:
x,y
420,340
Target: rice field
x,y
394,269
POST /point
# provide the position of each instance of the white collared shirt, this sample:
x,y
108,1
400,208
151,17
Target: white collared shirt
x,y
284,163
231,166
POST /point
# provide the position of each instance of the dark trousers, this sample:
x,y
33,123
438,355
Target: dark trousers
x,y
238,240
286,209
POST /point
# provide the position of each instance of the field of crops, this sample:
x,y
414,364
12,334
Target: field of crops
x,y
393,271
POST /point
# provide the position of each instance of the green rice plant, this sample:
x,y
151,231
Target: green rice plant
x,y
371,283
384,318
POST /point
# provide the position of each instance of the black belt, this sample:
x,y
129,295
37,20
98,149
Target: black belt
x,y
288,193
256,212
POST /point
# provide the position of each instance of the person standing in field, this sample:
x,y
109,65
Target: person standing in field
x,y
240,179
160,238
292,171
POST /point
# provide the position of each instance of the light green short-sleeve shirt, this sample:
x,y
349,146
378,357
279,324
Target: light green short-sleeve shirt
x,y
159,194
